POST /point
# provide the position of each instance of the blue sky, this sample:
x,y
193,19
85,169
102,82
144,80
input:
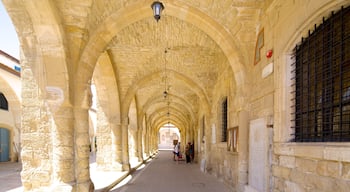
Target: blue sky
x,y
8,37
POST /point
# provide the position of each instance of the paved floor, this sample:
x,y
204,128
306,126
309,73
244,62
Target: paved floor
x,y
158,175
163,174
10,180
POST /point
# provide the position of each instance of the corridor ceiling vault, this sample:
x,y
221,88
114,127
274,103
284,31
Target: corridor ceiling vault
x,y
202,39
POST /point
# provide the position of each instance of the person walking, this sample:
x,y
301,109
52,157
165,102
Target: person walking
x,y
177,152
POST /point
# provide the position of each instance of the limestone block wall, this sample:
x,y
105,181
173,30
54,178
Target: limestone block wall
x,y
222,163
104,142
296,166
38,153
311,167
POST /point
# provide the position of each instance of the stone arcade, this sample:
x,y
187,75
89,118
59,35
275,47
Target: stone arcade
x,y
224,94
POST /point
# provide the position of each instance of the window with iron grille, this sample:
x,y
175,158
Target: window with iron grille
x,y
224,120
3,102
322,82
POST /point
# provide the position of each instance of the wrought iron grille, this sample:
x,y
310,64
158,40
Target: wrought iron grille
x,y
224,121
321,76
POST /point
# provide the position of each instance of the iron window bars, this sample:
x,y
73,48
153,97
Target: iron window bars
x,y
224,120
321,76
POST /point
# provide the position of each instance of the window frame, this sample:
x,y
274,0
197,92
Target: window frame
x,y
224,119
3,102
325,125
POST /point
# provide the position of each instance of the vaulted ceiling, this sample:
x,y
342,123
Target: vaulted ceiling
x,y
173,54
170,55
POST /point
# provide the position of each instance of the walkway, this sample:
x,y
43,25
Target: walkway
x,y
159,175
10,179
162,174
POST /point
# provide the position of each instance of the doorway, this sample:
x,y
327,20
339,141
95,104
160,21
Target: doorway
x,y
4,145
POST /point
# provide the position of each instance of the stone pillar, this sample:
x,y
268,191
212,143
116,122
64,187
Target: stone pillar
x,y
139,144
108,155
116,147
132,146
150,144
154,138
36,154
155,142
103,139
125,144
188,136
82,142
146,141
63,149
47,136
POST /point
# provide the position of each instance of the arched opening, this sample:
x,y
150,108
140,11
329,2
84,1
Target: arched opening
x,y
168,136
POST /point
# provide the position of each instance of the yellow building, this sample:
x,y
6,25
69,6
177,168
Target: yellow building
x,y
10,107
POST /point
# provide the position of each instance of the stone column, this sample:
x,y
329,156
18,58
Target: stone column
x,y
146,141
149,138
104,139
139,144
125,143
116,147
63,149
188,136
155,142
46,136
82,142
36,154
132,140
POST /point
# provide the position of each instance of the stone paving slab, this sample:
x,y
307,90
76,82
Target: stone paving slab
x,y
163,174
160,174
10,179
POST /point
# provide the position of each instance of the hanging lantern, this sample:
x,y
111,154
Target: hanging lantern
x,y
157,9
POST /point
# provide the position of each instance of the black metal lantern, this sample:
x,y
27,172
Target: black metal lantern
x,y
157,9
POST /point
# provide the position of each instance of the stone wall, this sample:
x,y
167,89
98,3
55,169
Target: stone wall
x,y
299,166
311,167
223,165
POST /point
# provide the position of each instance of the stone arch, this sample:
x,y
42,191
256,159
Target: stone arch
x,y
160,123
44,61
108,132
46,42
181,102
187,81
308,24
122,18
176,112
104,76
